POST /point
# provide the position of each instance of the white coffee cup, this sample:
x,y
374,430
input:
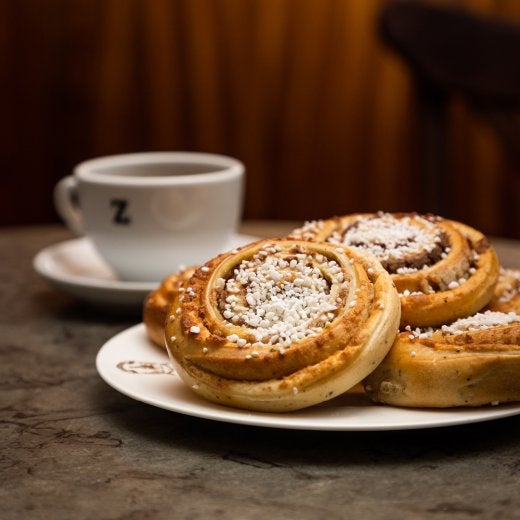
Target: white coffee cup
x,y
149,213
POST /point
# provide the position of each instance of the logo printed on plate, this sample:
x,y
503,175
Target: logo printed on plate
x,y
145,367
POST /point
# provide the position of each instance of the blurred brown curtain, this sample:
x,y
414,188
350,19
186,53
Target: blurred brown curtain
x,y
302,91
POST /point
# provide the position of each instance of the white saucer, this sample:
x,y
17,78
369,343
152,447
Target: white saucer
x,y
75,267
132,365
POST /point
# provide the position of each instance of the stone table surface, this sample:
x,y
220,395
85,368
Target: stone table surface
x,y
73,447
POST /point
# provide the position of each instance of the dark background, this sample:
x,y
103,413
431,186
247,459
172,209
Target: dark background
x,y
304,92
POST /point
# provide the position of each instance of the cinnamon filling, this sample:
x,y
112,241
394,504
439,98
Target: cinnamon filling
x,y
402,245
409,244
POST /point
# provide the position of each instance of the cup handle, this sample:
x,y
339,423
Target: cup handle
x,y
66,202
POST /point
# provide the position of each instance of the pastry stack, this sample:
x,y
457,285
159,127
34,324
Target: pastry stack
x,y
414,307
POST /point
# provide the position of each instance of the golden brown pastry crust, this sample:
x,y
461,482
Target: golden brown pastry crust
x,y
507,292
157,304
471,368
247,359
447,271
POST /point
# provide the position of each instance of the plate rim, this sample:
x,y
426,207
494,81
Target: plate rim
x,y
220,413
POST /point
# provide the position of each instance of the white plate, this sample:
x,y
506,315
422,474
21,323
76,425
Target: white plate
x,y
75,267
131,364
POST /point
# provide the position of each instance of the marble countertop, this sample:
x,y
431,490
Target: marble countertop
x,y
73,447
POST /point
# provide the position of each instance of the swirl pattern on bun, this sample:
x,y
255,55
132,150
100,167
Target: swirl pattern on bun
x,y
282,324
443,270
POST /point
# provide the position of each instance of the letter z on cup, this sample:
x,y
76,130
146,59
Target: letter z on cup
x,y
149,213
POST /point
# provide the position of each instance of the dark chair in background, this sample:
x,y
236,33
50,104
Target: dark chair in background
x,y
452,52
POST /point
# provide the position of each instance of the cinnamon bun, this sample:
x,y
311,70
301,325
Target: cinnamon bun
x,y
507,292
157,303
472,362
282,324
443,270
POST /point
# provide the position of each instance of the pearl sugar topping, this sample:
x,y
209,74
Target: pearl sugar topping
x,y
283,297
477,322
390,238
481,321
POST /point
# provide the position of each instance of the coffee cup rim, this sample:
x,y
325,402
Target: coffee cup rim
x,y
91,169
